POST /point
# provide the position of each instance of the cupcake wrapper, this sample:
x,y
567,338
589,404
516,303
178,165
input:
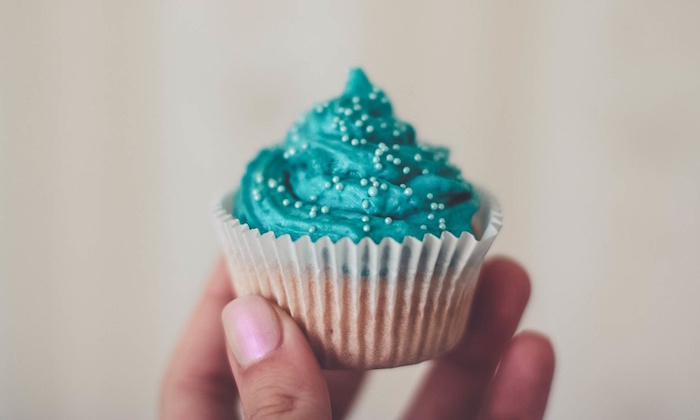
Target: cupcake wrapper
x,y
364,305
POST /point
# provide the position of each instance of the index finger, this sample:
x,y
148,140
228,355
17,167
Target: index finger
x,y
199,383
455,386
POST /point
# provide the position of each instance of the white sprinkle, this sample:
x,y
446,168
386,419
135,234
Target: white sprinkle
x,y
363,182
418,157
372,191
297,205
433,206
257,198
426,172
442,220
313,197
343,129
389,157
271,183
383,146
388,220
406,170
259,178
373,178
291,151
372,96
304,146
355,99
384,187
365,219
345,137
442,226
358,123
402,185
431,216
375,183
379,152
336,119
382,125
424,227
256,191
441,206
312,229
384,100
295,137
335,179
378,166
348,112
286,202
366,228
357,107
364,117
365,204
370,128
339,186
397,161
396,133
408,191
324,209
327,184
396,147
280,188
375,159
363,141
429,196
355,142
312,214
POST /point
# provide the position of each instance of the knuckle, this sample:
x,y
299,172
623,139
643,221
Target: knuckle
x,y
273,402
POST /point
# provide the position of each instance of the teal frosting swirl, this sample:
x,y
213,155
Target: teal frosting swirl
x,y
350,168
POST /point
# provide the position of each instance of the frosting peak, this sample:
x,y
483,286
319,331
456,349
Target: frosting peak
x,y
357,82
349,168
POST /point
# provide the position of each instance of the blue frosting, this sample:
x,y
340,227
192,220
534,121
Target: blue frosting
x,y
350,168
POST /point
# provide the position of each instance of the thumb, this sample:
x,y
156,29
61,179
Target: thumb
x,y
275,370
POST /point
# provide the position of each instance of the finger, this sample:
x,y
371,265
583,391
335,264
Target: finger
x,y
455,386
198,383
521,386
343,386
277,374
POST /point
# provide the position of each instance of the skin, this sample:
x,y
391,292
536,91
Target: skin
x,y
205,381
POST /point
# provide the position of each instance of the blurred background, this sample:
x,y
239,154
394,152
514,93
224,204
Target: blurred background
x,y
121,121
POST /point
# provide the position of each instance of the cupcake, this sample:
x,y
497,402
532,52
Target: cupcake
x,y
370,239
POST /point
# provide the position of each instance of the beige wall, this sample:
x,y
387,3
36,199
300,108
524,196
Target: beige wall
x,y
121,120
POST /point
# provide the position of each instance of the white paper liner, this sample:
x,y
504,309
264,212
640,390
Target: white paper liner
x,y
364,305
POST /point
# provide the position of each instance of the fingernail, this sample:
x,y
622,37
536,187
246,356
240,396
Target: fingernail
x,y
252,329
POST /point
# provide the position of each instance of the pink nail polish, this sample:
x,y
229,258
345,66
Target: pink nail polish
x,y
252,329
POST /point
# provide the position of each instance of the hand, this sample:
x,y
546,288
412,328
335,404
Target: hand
x,y
249,349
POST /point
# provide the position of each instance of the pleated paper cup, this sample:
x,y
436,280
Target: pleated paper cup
x,y
364,305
